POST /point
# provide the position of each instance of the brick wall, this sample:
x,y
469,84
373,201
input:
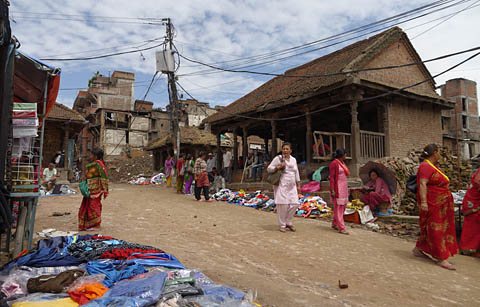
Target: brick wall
x,y
412,125
395,54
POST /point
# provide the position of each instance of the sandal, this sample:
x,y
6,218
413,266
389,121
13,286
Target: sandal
x,y
418,253
282,229
335,227
292,228
446,265
343,232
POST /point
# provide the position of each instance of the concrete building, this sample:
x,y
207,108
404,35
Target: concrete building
x,y
462,122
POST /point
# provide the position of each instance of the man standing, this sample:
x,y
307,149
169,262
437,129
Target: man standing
x,y
227,165
180,173
210,166
49,176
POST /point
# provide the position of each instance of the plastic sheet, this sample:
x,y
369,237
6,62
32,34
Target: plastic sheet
x,y
117,302
86,280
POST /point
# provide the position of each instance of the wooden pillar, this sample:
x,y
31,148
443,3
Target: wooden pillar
x,y
65,148
274,139
235,149
245,143
386,129
356,154
309,137
219,152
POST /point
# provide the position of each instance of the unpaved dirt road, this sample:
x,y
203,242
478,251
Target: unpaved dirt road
x,y
242,247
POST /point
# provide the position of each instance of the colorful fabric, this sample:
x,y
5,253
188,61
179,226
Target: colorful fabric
x,y
286,192
374,199
97,178
202,180
88,292
437,224
90,213
108,249
124,253
113,273
189,175
63,302
470,240
179,184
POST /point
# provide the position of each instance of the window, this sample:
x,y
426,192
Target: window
x,y
464,122
464,104
443,123
471,150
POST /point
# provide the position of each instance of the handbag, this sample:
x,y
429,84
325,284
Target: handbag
x,y
274,178
84,188
412,184
189,168
182,170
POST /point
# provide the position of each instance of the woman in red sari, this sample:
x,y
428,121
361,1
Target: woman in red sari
x,y
470,240
437,223
90,213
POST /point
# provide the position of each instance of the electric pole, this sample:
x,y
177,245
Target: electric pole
x,y
173,96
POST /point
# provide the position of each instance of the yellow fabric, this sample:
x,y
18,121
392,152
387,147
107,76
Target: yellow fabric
x,y
438,170
63,302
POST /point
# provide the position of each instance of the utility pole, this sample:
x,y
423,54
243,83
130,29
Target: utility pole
x,y
173,96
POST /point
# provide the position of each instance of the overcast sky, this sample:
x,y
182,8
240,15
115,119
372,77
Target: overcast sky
x,y
214,31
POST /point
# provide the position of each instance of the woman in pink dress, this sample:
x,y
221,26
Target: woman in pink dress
x,y
377,191
339,189
286,194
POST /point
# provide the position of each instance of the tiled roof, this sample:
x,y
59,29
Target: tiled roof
x,y
62,112
290,89
188,135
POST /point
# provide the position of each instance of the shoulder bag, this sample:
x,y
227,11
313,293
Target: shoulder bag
x,y
412,184
84,188
274,178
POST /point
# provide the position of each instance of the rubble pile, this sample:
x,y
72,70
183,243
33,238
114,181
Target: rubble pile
x,y
409,231
404,201
123,169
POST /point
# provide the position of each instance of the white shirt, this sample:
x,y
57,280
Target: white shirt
x,y
227,159
47,173
211,164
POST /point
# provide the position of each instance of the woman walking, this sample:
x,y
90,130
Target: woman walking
x,y
470,240
189,164
90,213
201,178
339,189
435,202
169,163
286,193
180,173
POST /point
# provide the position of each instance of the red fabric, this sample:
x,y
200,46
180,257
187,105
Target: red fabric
x,y
24,114
374,199
90,213
124,253
180,163
52,93
202,180
437,225
470,240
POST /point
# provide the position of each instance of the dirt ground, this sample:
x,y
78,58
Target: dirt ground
x,y
242,247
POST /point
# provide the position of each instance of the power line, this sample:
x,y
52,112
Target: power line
x,y
336,73
352,31
350,101
445,20
102,56
89,16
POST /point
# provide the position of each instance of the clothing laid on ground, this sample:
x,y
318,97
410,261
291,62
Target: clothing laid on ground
x,y
114,273
90,212
470,240
88,292
53,283
437,225
108,249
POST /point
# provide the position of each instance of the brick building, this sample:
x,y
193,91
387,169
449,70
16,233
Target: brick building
x,y
372,114
462,122
62,127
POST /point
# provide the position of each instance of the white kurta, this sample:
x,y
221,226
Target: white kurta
x,y
286,192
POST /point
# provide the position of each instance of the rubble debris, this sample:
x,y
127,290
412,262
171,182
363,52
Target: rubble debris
x,y
123,169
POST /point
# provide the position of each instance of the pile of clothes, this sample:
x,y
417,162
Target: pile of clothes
x,y
95,270
313,206
158,179
256,200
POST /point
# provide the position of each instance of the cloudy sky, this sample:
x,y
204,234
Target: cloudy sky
x,y
227,34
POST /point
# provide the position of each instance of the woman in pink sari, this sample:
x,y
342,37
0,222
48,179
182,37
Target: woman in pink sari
x,y
339,189
377,191
286,193
168,170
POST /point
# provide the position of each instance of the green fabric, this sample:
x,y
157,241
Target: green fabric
x,y
24,106
84,188
317,175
